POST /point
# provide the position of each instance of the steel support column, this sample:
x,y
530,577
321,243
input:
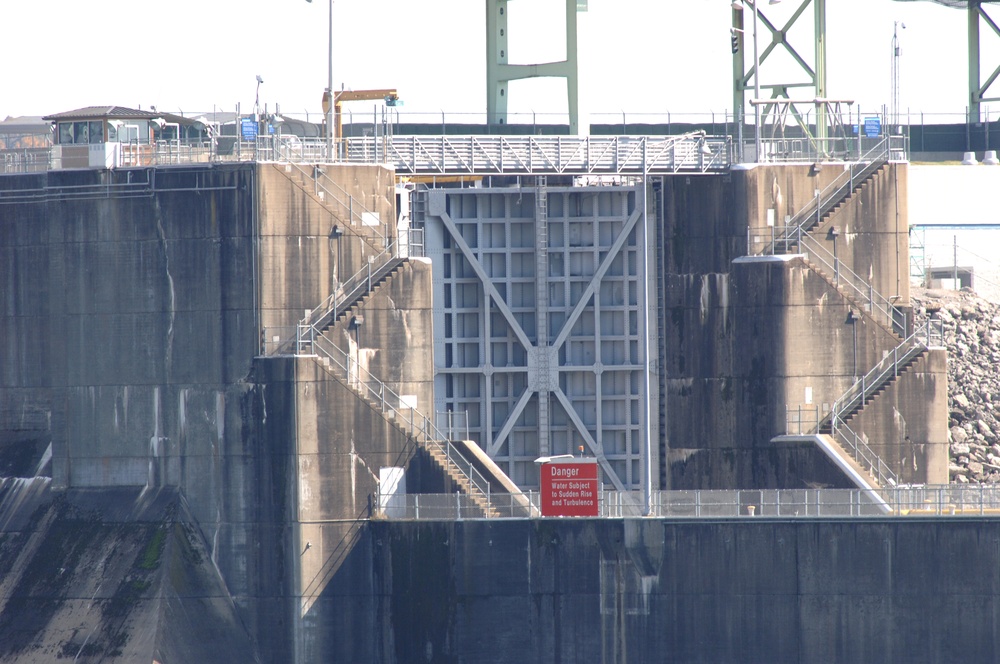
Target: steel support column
x,y
820,79
499,73
739,67
978,89
975,92
774,37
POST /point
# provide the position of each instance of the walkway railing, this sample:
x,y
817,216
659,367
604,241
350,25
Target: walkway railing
x,y
904,501
464,155
571,155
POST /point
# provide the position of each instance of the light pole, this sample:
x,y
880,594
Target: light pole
x,y
256,103
895,71
737,5
329,92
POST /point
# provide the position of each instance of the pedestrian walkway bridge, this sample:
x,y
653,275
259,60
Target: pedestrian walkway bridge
x,y
442,155
544,155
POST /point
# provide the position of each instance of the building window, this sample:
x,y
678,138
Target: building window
x,y
97,132
81,133
65,133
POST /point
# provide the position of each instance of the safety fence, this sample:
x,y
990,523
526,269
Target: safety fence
x,y
980,500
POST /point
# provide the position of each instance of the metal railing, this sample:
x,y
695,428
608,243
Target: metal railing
x,y
705,149
902,501
931,333
572,155
806,419
460,155
419,427
887,369
330,192
864,455
344,297
807,149
827,263
835,192
802,419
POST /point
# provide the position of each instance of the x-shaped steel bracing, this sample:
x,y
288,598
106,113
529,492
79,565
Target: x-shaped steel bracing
x,y
551,349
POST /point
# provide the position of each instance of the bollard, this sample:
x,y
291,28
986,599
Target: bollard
x,y
751,509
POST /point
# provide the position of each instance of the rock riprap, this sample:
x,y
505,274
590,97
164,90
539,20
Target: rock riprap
x,y
971,328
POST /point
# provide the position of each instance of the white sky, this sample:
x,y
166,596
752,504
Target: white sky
x,y
639,56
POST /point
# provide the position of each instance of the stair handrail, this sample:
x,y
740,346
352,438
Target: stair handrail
x,y
348,292
835,192
858,288
374,390
356,210
864,455
923,337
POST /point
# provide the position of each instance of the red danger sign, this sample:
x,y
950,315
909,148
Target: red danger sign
x,y
569,489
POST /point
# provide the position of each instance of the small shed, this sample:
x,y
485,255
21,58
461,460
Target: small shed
x,y
92,136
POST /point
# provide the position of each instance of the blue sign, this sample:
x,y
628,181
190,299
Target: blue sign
x,y
248,128
873,126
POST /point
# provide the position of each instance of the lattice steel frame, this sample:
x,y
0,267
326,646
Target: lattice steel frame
x,y
978,89
499,73
815,74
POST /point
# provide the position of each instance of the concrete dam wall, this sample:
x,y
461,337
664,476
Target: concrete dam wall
x,y
747,341
743,590
134,304
148,342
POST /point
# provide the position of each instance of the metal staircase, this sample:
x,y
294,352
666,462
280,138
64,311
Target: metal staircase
x,y
408,421
310,338
346,296
827,201
796,238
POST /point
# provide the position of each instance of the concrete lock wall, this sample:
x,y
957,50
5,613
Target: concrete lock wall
x,y
133,314
300,263
140,325
644,590
742,342
907,425
390,335
133,308
331,445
